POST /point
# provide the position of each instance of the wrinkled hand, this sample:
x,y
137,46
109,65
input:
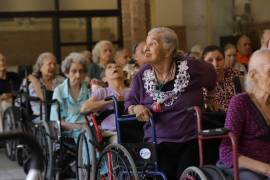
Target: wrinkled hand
x,y
142,113
32,78
267,172
77,126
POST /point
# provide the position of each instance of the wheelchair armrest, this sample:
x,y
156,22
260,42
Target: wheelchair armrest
x,y
33,99
127,117
214,132
109,98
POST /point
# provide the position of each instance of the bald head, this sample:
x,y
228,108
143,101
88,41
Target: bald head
x,y
257,80
244,45
259,59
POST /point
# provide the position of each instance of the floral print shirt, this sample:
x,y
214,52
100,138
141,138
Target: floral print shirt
x,y
225,89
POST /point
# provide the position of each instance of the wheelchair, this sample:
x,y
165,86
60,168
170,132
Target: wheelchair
x,y
130,158
91,145
59,150
20,117
210,172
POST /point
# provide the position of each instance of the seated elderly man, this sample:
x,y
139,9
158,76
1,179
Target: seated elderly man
x,y
244,50
248,118
8,82
164,90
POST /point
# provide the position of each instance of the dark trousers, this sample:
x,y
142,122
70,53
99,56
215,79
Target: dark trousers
x,y
174,158
244,174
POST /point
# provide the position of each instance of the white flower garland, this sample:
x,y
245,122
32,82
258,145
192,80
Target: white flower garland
x,y
168,97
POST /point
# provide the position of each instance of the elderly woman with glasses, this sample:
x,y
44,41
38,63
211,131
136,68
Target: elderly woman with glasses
x,y
163,90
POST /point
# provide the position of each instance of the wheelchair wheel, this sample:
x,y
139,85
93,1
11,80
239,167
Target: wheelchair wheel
x,y
86,155
212,172
10,118
193,173
116,163
44,135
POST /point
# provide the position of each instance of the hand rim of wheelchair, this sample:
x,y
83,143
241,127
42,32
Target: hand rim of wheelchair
x,y
83,138
124,156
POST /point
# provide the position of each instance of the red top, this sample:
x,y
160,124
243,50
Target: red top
x,y
242,59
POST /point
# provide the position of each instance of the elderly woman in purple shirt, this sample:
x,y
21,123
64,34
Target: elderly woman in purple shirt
x,y
248,117
114,77
164,89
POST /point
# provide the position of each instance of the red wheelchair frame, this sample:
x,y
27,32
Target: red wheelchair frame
x,y
219,133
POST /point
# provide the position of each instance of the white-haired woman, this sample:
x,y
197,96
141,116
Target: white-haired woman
x,y
71,94
102,53
248,118
164,89
44,74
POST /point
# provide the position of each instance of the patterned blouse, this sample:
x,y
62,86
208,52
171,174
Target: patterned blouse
x,y
225,90
249,127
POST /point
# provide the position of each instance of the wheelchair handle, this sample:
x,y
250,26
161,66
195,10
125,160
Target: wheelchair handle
x,y
129,118
55,101
36,165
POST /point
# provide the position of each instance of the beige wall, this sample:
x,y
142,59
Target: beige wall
x,y
166,13
260,10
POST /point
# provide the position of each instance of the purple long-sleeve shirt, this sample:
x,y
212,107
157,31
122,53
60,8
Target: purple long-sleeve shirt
x,y
249,127
174,123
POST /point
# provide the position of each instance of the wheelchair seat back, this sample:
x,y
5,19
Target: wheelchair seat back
x,y
48,97
131,137
212,120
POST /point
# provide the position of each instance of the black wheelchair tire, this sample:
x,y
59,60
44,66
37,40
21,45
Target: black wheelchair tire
x,y
121,154
44,136
10,119
91,155
212,172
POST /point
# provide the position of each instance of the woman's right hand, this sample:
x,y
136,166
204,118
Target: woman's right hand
x,y
142,113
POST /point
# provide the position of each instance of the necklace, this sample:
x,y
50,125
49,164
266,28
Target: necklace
x,y
167,98
156,106
167,75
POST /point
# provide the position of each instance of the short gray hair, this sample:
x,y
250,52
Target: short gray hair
x,y
168,37
40,61
97,49
73,57
250,86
